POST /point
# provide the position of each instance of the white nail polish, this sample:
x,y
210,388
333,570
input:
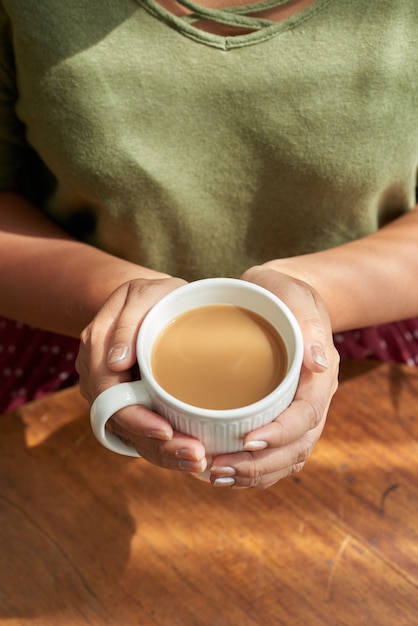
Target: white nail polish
x,y
319,356
224,481
253,446
118,353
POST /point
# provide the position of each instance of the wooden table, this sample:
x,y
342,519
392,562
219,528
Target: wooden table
x,y
92,538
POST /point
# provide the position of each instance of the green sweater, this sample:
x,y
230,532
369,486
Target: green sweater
x,y
201,155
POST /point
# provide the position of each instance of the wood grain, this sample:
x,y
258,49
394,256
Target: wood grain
x,y
89,537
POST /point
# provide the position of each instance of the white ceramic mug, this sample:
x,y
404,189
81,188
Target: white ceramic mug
x,y
220,431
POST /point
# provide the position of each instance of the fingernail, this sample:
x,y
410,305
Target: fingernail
x,y
252,446
158,434
187,454
190,466
118,353
224,481
223,469
318,356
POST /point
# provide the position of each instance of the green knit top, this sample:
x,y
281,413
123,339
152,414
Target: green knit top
x,y
201,155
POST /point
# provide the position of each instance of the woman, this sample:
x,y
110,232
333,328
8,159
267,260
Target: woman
x,y
150,144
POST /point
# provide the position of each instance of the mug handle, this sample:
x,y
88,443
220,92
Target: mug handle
x,y
110,401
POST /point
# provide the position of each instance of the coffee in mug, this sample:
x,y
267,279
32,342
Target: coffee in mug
x,y
274,339
219,356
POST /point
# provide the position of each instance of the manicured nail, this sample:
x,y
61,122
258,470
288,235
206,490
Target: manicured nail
x,y
318,356
225,470
118,353
224,481
253,446
190,466
187,454
158,434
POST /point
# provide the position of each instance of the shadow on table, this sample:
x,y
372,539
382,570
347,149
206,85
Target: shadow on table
x,y
61,527
393,375
72,514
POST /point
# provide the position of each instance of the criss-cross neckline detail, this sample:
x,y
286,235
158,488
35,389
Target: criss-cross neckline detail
x,y
233,15
239,16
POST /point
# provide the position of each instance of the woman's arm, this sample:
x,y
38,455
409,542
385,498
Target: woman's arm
x,y
50,279
368,281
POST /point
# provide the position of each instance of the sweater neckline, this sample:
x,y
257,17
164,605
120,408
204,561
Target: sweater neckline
x,y
263,29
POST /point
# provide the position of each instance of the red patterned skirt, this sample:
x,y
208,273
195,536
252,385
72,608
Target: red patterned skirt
x,y
34,363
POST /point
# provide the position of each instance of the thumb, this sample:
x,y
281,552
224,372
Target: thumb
x,y
315,357
122,355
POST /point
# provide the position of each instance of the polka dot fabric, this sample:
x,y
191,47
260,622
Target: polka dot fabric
x,y
34,363
393,343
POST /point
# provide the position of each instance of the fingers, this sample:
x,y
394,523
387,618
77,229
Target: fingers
x,y
309,310
140,298
281,448
305,414
95,343
107,354
155,440
107,347
258,470
270,453
263,468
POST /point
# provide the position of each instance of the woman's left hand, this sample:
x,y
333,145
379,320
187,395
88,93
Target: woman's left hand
x,y
282,447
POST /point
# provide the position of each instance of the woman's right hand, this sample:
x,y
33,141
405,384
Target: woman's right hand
x,y
107,356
